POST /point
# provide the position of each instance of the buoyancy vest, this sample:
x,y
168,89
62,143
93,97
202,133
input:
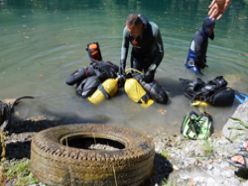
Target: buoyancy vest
x,y
79,75
88,86
89,78
214,92
105,69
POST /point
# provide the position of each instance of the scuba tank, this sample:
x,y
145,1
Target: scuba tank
x,y
137,93
104,91
94,52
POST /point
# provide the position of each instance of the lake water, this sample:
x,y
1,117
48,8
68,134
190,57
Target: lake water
x,y
42,42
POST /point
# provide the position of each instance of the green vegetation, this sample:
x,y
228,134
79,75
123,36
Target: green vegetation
x,y
165,182
165,154
207,148
18,173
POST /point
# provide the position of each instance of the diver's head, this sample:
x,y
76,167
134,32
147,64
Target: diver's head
x,y
135,24
208,27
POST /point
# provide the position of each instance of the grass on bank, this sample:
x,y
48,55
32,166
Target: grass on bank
x,y
16,173
207,148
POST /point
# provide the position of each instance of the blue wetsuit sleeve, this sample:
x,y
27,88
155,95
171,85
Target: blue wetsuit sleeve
x,y
124,48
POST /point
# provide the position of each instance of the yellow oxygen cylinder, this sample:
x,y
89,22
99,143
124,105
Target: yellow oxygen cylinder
x,y
137,93
104,91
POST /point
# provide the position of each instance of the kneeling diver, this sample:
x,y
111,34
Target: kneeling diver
x,y
147,46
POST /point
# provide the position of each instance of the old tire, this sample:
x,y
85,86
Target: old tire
x,y
59,156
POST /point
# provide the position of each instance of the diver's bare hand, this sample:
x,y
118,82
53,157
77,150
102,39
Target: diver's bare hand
x,y
217,8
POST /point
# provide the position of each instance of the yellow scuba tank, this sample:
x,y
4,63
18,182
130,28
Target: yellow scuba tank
x,y
104,91
137,93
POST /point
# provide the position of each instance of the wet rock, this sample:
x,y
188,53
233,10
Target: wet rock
x,y
233,130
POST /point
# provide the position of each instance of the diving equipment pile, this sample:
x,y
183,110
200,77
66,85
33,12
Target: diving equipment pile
x,y
100,81
214,92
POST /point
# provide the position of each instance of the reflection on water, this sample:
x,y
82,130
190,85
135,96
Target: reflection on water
x,y
42,42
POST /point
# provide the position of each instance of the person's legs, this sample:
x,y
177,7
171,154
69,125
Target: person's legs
x,y
142,65
136,63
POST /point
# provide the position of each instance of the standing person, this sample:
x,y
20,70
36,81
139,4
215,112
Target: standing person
x,y
147,46
217,8
197,55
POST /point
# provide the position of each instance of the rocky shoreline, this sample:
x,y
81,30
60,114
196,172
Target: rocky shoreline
x,y
177,162
204,162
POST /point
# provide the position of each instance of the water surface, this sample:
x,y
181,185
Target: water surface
x,y
42,42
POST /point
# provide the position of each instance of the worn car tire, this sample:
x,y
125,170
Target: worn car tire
x,y
59,156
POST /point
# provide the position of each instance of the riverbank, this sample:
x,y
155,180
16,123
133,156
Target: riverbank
x,y
205,163
177,162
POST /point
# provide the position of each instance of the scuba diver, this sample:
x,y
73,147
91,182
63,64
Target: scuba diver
x,y
196,59
147,46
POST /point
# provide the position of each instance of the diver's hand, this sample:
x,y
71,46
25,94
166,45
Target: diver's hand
x,y
149,76
217,8
121,71
121,80
122,68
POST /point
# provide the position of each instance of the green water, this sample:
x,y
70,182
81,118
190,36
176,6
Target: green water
x,y
42,42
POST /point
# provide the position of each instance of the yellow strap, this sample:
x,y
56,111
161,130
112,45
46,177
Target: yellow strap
x,y
133,69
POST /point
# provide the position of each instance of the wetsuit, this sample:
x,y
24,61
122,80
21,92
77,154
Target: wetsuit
x,y
196,59
147,52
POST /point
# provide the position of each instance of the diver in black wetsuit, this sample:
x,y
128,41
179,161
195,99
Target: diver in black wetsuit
x,y
147,52
196,59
